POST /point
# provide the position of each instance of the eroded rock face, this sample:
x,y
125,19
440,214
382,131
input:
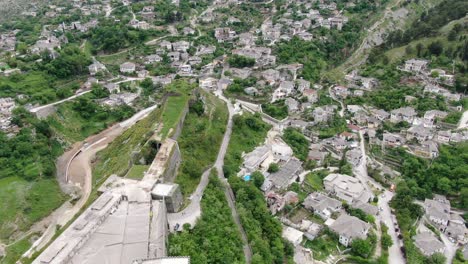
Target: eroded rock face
x,y
12,8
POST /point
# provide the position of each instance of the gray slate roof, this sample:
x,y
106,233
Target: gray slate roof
x,y
350,226
286,173
428,243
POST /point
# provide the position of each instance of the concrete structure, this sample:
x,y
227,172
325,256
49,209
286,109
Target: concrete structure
x,y
437,212
96,67
124,224
254,159
224,34
415,65
403,114
127,67
64,248
292,235
170,194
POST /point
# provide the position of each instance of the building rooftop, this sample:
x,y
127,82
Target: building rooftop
x,y
166,260
350,226
287,172
318,201
428,243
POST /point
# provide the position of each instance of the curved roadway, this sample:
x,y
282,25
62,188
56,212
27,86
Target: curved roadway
x,y
192,212
78,170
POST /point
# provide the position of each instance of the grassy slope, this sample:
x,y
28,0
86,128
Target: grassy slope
x,y
22,203
172,112
388,24
200,141
115,159
137,172
398,53
242,141
15,250
73,127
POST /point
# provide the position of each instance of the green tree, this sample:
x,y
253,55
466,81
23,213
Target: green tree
x,y
361,247
436,258
386,241
419,49
238,61
98,91
273,168
257,178
436,48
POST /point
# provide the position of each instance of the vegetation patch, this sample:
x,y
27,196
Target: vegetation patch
x,y
263,229
82,118
324,246
297,141
315,179
200,140
137,172
22,203
248,132
115,158
215,238
277,109
172,112
14,251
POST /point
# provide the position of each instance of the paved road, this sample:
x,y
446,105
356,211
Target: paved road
x,y
36,109
385,216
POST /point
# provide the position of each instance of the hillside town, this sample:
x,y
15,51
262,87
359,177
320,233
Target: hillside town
x,y
343,166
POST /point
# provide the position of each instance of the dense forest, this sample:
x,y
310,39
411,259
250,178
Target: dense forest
x,y
429,23
446,174
263,230
32,152
215,238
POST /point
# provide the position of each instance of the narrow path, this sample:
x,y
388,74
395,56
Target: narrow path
x,y
341,112
36,109
463,121
192,212
227,190
385,216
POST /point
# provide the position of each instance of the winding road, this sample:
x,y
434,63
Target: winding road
x,y
192,212
77,171
385,216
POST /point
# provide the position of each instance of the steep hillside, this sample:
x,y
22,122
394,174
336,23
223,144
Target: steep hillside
x,y
398,15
